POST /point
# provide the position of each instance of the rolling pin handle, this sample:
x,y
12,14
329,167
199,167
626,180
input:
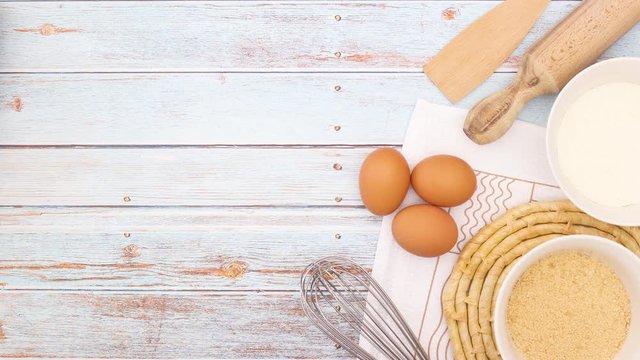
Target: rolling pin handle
x,y
575,43
490,118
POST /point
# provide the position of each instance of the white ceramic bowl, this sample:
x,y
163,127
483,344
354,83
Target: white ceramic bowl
x,y
625,263
613,70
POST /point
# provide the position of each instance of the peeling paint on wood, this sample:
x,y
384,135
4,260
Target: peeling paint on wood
x,y
43,267
47,30
257,35
169,325
21,355
230,269
360,57
144,307
180,176
131,251
16,104
319,58
241,249
393,59
450,13
78,109
105,279
216,279
75,266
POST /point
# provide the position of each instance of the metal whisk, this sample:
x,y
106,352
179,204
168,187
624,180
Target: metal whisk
x,y
347,304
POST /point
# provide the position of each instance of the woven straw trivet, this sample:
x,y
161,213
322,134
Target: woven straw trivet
x,y
470,292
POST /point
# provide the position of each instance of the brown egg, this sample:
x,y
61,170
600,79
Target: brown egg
x,y
444,180
425,230
384,181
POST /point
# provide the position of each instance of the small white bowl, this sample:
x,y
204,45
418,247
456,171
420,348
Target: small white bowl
x,y
621,260
613,70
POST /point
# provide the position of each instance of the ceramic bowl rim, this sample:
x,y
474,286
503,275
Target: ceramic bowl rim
x,y
598,211
571,242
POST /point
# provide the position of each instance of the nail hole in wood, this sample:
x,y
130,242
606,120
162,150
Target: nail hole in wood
x,y
337,54
338,17
337,166
338,236
337,128
338,346
126,198
127,235
338,198
337,87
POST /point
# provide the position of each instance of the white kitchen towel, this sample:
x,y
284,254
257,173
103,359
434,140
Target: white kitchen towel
x,y
510,171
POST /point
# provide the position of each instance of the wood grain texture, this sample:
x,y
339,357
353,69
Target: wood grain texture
x,y
220,108
159,325
199,248
214,35
262,176
176,249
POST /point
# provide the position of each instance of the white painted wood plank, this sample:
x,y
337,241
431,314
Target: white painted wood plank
x,y
263,176
220,108
214,35
176,249
159,325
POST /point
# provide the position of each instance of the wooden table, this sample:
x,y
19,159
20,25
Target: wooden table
x,y
169,167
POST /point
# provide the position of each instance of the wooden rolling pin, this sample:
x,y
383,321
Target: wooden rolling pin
x,y
550,63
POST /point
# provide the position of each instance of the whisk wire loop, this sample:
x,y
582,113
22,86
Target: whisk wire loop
x,y
349,306
366,321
